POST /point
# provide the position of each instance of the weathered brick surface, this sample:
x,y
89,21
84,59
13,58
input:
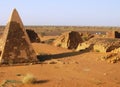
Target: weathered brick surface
x,y
16,46
69,40
33,36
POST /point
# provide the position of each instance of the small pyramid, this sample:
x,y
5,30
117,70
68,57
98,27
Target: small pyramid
x,y
16,46
69,40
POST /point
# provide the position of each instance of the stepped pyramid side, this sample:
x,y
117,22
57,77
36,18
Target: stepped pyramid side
x,y
16,46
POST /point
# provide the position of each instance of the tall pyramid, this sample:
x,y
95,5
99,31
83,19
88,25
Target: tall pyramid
x,y
16,46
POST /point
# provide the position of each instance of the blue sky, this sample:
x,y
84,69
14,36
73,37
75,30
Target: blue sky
x,y
63,12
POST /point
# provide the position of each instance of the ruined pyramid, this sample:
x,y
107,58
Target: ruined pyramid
x,y
16,46
69,40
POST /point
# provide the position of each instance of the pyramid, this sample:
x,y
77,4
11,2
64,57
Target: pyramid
x,y
69,40
16,46
34,38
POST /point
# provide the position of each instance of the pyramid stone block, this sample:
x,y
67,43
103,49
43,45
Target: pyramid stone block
x,y
16,46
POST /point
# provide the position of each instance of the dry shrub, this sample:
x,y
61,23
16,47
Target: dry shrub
x,y
29,79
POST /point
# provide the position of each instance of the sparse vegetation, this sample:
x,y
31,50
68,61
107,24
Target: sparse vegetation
x,y
29,79
10,82
68,28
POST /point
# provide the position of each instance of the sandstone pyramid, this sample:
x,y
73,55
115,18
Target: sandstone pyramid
x,y
33,36
69,40
16,46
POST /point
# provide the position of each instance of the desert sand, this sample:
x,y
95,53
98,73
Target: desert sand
x,y
66,69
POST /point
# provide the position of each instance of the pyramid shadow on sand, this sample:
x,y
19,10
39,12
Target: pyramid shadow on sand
x,y
43,58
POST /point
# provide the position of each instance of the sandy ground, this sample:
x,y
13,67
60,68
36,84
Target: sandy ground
x,y
70,69
47,37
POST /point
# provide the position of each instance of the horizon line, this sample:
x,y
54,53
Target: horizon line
x,y
69,25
